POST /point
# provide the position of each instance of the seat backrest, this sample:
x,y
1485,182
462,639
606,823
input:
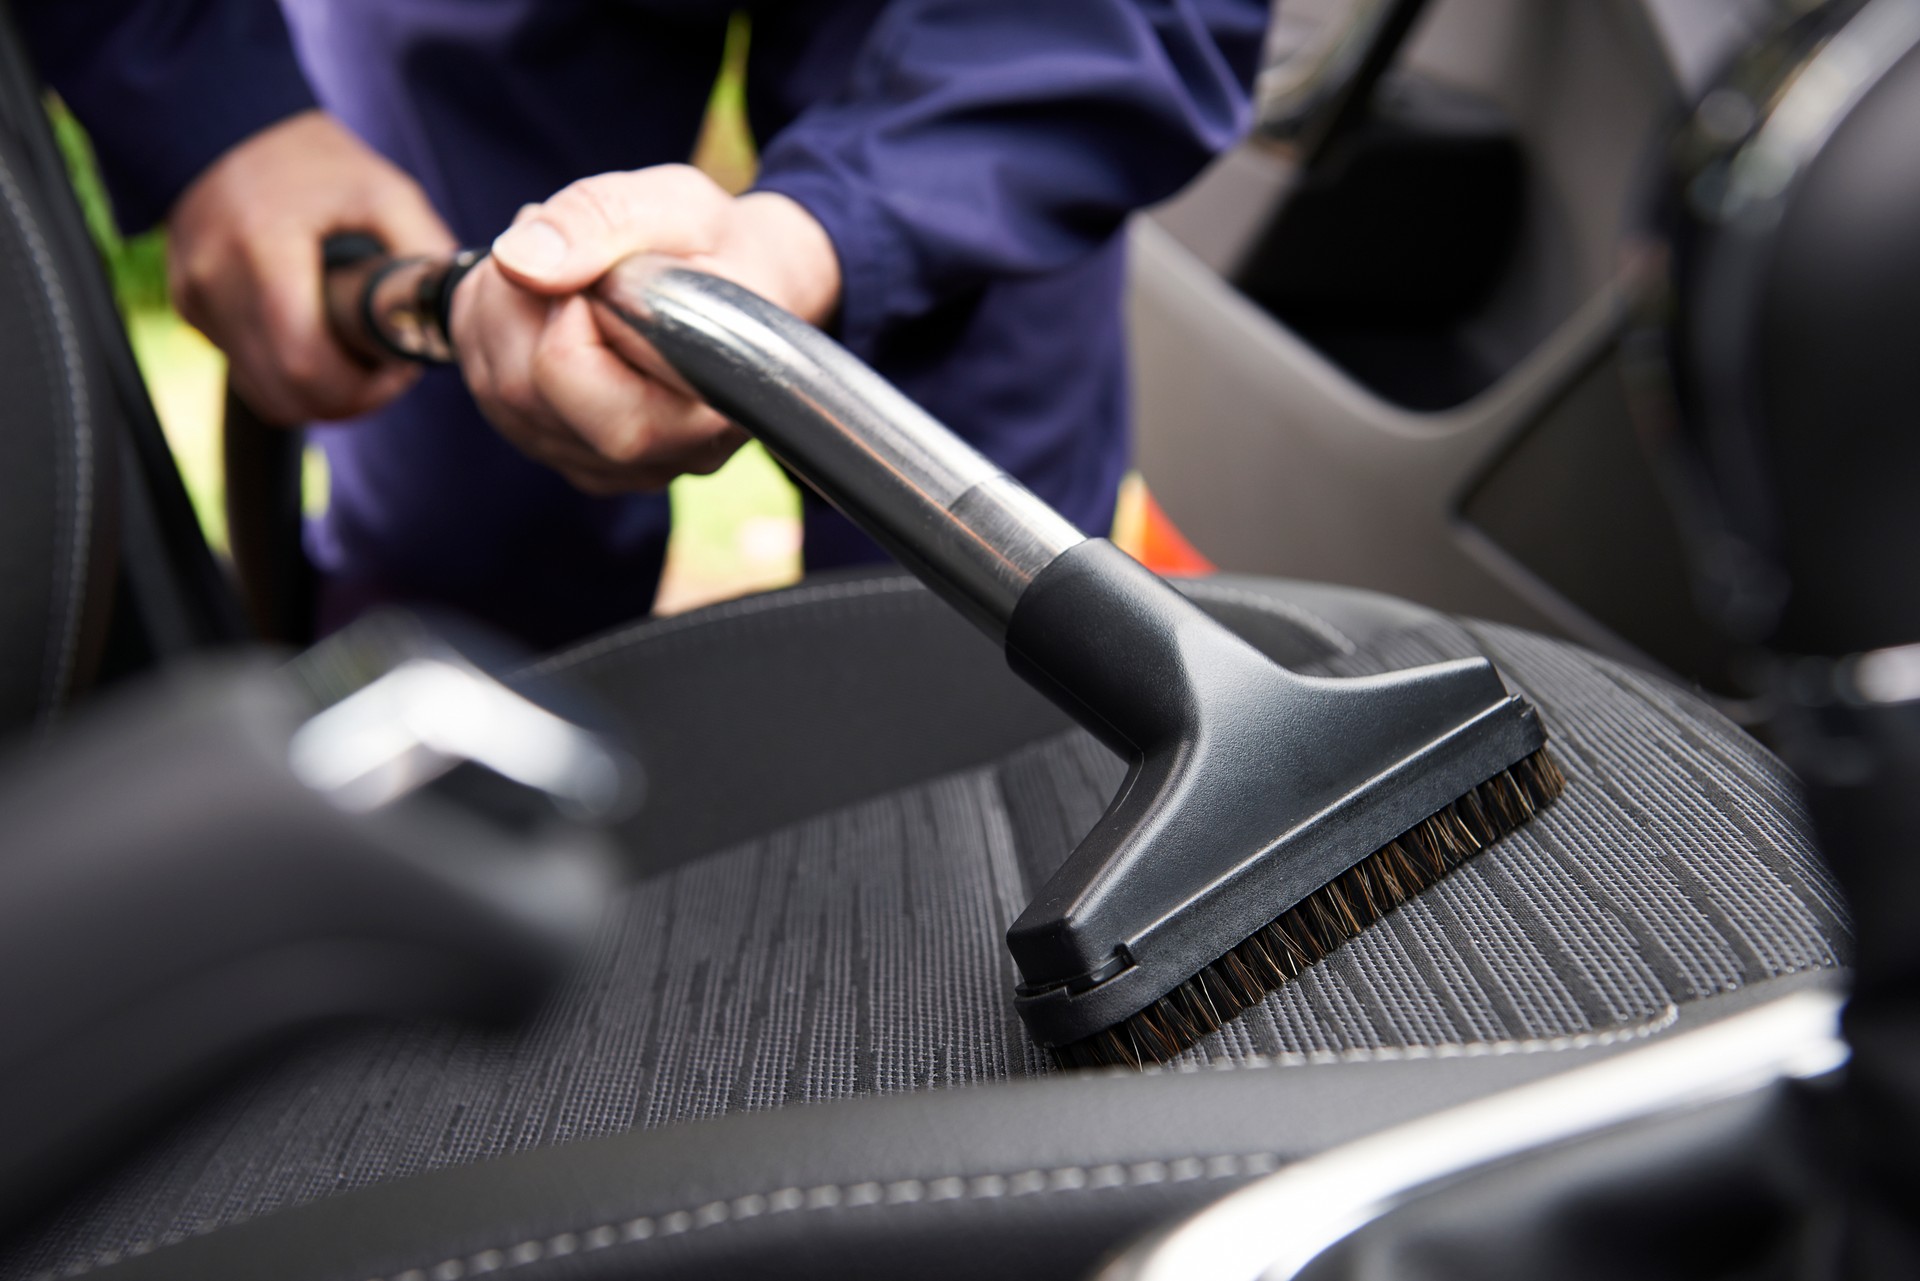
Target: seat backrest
x,y
59,467
100,554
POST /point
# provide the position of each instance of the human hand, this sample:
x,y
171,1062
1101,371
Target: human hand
x,y
244,267
534,356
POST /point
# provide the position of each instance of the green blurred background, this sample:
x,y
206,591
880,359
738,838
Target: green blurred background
x,y
733,532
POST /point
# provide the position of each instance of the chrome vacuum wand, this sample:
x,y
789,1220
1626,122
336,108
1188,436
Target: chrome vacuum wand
x,y
966,528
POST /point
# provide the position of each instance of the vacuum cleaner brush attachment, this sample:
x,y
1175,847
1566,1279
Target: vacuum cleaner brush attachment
x,y
1267,816
1313,928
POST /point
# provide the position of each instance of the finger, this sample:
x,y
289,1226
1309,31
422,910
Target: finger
x,y
283,356
494,324
586,470
589,483
574,459
571,457
269,399
592,224
388,384
502,326
193,282
300,351
625,341
499,325
627,417
256,380
719,450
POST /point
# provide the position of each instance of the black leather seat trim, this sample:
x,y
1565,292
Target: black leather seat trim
x,y
1033,1178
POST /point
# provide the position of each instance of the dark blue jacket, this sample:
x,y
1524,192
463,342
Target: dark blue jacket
x,y
972,161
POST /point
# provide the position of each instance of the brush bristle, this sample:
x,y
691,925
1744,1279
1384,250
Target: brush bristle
x,y
1309,931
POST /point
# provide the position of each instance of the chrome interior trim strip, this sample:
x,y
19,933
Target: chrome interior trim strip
x,y
1274,1228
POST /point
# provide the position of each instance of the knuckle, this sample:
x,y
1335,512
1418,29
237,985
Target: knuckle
x,y
522,436
688,183
599,203
652,480
300,365
593,483
185,271
189,279
628,447
548,367
188,302
513,389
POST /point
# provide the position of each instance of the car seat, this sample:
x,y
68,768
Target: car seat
x,y
792,1050
1774,282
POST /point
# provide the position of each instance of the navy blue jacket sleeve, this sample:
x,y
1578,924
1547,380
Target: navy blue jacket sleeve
x,y
984,138
164,86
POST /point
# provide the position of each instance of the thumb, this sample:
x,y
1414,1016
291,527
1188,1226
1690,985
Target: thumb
x,y
570,241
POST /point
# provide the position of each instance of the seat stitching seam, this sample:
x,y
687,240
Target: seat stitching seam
x,y
956,1187
858,1194
61,674
855,1195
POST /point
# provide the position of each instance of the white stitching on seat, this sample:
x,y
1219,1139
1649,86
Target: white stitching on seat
x,y
831,1196
65,637
1070,1178
979,1187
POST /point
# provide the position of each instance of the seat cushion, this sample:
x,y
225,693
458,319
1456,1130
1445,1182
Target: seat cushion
x,y
854,799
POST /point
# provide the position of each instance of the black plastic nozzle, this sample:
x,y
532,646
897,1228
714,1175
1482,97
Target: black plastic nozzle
x,y
1251,786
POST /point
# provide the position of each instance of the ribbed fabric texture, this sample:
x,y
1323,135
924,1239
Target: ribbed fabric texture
x,y
862,952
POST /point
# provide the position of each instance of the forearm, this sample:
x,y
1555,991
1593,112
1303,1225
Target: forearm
x,y
164,88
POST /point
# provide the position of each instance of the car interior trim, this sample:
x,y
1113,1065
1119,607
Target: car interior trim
x,y
1326,1198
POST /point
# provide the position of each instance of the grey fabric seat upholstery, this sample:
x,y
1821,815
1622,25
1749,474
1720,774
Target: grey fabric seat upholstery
x,y
794,1052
